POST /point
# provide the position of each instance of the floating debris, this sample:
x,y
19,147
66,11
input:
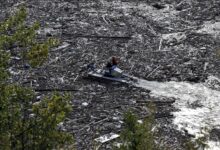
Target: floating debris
x,y
85,104
107,137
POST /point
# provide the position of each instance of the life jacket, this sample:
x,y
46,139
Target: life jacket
x,y
115,71
113,67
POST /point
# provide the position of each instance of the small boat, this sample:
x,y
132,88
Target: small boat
x,y
104,74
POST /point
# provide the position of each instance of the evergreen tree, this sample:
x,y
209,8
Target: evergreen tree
x,y
24,124
138,136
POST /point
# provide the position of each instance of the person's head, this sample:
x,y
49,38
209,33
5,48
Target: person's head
x,y
115,60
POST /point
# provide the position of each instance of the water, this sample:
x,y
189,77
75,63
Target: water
x,y
199,106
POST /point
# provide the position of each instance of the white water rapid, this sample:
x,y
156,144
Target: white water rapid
x,y
205,114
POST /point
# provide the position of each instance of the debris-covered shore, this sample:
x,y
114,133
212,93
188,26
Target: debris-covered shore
x,y
169,40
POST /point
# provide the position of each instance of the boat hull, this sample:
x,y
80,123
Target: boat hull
x,y
99,74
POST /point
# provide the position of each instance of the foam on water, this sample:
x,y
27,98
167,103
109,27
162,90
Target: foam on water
x,y
199,106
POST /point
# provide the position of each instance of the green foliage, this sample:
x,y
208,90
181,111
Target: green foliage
x,y
199,143
15,20
138,136
11,28
15,32
4,58
48,113
25,124
14,102
39,52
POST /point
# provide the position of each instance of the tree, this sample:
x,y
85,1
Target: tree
x,y
138,136
27,124
198,143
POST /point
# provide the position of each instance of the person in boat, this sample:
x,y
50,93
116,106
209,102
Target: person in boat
x,y
91,66
112,68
